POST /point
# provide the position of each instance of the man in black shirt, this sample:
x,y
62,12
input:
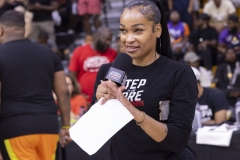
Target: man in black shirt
x,y
28,72
203,41
212,103
42,17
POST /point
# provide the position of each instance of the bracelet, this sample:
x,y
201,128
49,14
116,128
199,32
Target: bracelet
x,y
66,127
143,121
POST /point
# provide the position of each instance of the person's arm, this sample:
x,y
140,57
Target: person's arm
x,y
220,106
174,134
213,39
222,48
207,43
170,5
0,155
74,65
190,6
63,97
221,42
220,116
63,100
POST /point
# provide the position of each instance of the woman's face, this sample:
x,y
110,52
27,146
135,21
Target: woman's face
x,y
70,85
231,56
138,37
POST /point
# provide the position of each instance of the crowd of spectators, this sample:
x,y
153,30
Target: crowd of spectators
x,y
209,40
204,34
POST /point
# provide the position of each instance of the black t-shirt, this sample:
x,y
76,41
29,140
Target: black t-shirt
x,y
199,35
212,101
26,75
221,77
163,80
41,15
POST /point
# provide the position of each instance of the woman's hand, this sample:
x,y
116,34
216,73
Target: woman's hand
x,y
116,93
105,91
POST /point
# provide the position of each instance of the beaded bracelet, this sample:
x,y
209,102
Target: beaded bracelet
x,y
142,122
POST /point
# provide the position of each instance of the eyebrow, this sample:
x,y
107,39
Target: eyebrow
x,y
135,25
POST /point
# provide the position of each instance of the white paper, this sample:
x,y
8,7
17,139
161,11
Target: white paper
x,y
213,135
99,124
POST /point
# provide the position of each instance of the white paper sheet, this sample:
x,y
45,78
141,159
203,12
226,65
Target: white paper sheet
x,y
99,124
213,135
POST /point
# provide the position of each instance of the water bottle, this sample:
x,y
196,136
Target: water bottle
x,y
237,107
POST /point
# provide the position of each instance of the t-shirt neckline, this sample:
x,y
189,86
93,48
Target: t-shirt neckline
x,y
151,64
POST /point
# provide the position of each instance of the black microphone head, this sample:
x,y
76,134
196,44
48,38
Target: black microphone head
x,y
122,62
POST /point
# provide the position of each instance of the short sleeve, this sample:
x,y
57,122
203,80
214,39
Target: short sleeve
x,y
57,63
74,62
186,30
222,36
231,8
206,8
219,101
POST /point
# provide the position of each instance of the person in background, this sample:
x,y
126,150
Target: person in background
x,y
42,18
88,39
227,76
6,5
195,13
86,60
184,8
45,41
78,101
203,41
160,93
90,9
229,37
179,32
192,59
28,16
212,103
219,10
28,72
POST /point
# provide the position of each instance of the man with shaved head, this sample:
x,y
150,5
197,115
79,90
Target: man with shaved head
x,y
87,59
29,72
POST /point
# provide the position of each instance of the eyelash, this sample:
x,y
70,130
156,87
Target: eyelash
x,y
136,30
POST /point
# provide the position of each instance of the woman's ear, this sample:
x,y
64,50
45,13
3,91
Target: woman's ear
x,y
158,30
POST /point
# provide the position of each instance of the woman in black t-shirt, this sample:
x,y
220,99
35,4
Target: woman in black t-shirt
x,y
160,93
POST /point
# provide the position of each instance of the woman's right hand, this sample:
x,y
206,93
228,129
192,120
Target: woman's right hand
x,y
105,92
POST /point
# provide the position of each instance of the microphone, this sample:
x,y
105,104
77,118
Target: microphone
x,y
117,73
